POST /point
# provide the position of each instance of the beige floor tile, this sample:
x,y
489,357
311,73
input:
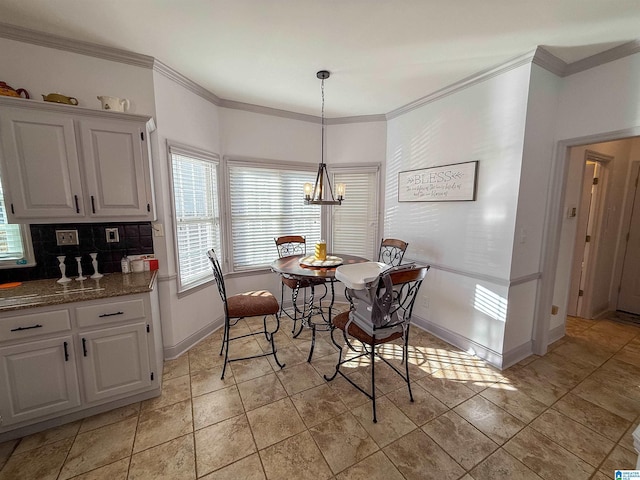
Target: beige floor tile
x,y
490,419
596,418
531,383
325,365
46,437
299,377
514,401
322,348
114,471
599,475
392,423
318,404
619,459
249,468
222,444
593,391
174,460
6,450
547,458
476,377
502,465
176,368
448,392
627,438
261,391
288,355
573,436
204,360
244,370
375,467
296,457
349,394
100,447
216,406
580,351
417,456
163,424
174,390
112,416
343,441
207,381
465,443
42,463
559,370
424,406
274,422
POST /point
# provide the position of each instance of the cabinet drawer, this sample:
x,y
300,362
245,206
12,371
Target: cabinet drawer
x,y
34,324
111,312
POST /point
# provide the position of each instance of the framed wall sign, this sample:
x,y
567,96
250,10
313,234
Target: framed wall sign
x,y
446,183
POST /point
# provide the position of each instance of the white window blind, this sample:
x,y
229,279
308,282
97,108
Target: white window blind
x,y
355,222
267,202
15,241
196,213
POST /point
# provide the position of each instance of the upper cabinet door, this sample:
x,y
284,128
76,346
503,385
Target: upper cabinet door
x,y
40,160
114,158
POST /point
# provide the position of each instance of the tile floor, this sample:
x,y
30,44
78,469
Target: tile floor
x,y
569,414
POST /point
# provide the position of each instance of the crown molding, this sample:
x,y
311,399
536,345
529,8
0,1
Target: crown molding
x,y
34,37
601,58
543,58
175,76
464,83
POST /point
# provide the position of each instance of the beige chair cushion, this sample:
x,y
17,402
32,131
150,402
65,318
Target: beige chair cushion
x,y
251,304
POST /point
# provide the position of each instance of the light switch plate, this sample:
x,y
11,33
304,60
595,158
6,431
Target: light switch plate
x,y
112,235
67,237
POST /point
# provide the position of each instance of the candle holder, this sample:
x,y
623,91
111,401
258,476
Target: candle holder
x,y
80,276
94,262
63,269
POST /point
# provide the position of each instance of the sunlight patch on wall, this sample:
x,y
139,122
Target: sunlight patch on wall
x,y
490,303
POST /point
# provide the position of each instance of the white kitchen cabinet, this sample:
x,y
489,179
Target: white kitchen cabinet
x,y
77,357
37,379
115,361
63,163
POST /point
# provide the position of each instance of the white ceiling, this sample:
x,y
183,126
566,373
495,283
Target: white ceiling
x,y
383,54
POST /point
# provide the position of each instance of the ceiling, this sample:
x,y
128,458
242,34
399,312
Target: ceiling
x,y
382,54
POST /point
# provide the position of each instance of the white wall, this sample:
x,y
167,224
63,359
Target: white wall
x,y
42,70
471,243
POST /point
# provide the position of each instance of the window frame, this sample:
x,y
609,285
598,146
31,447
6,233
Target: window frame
x,y
28,254
205,156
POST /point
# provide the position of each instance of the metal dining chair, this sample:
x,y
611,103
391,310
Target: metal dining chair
x,y
380,313
247,304
296,245
392,251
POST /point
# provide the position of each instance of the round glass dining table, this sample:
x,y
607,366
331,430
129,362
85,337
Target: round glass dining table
x,y
290,267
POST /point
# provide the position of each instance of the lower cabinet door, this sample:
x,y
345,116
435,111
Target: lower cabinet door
x,y
37,379
115,361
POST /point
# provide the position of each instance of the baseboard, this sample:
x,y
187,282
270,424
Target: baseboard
x,y
463,343
516,354
176,350
556,333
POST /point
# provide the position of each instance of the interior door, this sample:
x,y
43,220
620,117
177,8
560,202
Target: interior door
x,y
629,296
577,267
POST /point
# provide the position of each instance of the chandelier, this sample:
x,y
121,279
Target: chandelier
x,y
321,193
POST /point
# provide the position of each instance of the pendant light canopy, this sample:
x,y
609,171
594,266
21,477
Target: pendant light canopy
x,y
322,193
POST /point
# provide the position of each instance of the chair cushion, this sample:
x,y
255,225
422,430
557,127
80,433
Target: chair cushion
x,y
340,321
250,304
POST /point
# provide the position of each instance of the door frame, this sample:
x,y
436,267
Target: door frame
x,y
554,216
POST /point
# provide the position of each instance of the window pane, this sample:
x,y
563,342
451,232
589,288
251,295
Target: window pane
x,y
267,203
195,193
13,241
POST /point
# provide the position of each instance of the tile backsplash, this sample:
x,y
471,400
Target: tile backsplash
x,y
136,238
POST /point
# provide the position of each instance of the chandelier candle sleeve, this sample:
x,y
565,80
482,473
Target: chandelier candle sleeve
x,y
321,250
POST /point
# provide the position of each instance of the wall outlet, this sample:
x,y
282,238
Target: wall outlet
x,y
554,309
67,237
112,235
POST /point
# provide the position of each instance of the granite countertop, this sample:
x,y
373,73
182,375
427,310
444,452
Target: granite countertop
x,y
42,293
